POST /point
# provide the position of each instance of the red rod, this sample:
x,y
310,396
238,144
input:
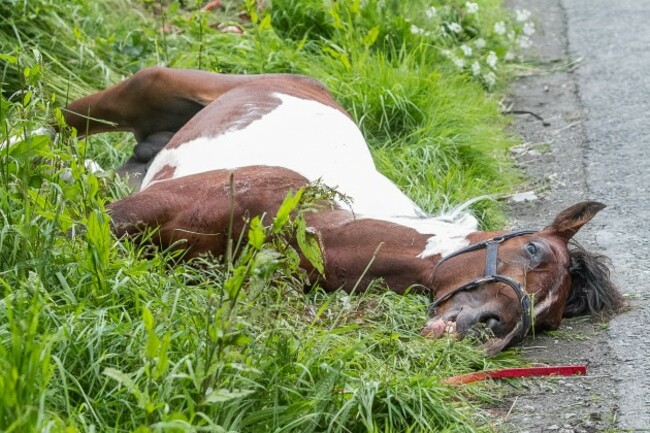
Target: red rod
x,y
558,370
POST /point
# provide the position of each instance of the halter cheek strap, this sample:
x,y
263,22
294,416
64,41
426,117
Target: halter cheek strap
x,y
490,275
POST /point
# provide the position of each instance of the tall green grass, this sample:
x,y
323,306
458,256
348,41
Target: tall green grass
x,y
99,335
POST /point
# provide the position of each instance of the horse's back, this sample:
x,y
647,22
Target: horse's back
x,y
291,123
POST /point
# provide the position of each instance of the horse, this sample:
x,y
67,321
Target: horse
x,y
214,149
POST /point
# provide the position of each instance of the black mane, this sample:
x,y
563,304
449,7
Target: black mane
x,y
592,290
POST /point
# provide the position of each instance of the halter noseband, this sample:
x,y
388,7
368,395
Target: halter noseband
x,y
490,275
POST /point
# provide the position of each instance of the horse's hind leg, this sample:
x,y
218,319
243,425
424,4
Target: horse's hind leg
x,y
133,171
148,148
152,100
152,104
135,168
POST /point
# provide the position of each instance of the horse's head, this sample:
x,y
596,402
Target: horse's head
x,y
503,284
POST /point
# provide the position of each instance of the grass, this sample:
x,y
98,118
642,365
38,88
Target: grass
x,y
100,335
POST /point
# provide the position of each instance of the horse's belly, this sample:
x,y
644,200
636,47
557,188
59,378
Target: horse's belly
x,y
308,137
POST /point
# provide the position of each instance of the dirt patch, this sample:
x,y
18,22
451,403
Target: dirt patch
x,y
553,160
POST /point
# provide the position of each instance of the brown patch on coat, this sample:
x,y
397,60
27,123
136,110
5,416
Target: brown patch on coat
x,y
196,209
250,101
166,172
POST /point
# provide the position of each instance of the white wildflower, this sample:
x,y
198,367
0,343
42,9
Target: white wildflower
x,y
524,41
93,167
490,79
529,28
345,301
480,43
500,28
466,50
509,56
66,176
455,27
431,12
472,8
522,15
460,63
491,59
476,68
511,35
419,31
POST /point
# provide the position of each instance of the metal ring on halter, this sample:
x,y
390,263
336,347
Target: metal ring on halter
x,y
490,275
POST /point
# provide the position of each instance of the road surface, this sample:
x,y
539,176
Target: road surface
x,y
592,83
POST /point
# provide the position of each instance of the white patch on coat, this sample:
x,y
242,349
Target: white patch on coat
x,y
311,138
541,308
444,245
446,236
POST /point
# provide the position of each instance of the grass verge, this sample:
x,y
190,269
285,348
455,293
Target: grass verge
x,y
97,335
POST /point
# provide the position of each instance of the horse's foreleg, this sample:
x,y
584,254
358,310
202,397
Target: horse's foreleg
x,y
149,219
134,215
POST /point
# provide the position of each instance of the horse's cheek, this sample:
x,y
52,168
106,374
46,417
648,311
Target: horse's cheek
x,y
552,318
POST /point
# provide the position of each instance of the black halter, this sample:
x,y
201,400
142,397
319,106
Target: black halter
x,y
490,276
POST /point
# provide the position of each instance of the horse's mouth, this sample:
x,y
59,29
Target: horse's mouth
x,y
437,328
447,327
440,327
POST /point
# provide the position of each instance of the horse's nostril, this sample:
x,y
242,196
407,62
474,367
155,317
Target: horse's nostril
x,y
480,325
491,321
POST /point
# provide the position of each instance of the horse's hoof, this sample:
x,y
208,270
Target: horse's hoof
x,y
148,148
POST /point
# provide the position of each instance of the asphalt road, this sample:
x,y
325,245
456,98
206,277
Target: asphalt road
x,y
612,41
594,89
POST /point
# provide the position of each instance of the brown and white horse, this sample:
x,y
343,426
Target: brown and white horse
x,y
202,135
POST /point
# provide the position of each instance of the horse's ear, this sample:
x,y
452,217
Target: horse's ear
x,y
570,220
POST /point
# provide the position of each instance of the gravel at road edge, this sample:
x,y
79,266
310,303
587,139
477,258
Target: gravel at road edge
x,y
553,158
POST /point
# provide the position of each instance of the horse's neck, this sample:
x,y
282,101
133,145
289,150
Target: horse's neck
x,y
359,250
445,234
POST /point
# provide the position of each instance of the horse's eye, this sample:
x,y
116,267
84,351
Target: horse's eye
x,y
531,248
